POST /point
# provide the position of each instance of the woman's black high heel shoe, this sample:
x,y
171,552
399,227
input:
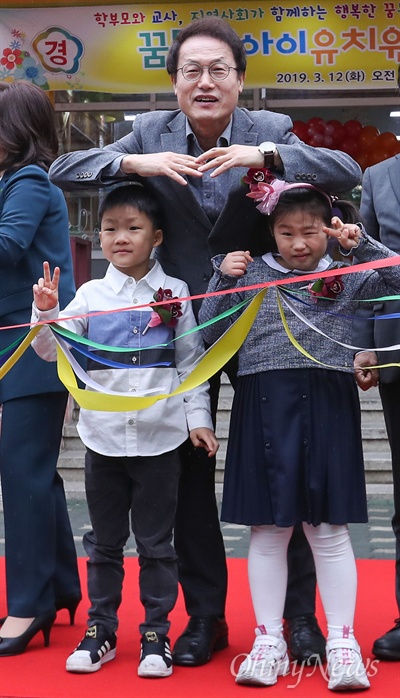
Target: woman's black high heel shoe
x,y
9,646
71,603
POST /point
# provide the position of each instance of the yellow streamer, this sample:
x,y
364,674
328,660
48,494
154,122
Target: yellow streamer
x,y
305,353
213,361
19,351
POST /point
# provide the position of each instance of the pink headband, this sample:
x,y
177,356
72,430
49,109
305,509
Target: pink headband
x,y
267,190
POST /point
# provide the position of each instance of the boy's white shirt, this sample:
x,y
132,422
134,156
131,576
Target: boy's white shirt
x,y
165,425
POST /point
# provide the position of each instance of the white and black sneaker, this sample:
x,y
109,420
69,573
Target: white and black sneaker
x,y
96,648
155,656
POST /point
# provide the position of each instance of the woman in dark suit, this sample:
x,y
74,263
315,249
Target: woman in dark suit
x,y
41,566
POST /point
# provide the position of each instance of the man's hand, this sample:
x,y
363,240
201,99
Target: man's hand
x,y
222,159
365,375
235,263
173,165
45,292
204,438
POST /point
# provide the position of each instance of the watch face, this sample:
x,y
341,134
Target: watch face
x,y
267,147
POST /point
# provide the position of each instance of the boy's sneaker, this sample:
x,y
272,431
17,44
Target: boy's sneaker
x,y
96,648
155,656
345,665
267,660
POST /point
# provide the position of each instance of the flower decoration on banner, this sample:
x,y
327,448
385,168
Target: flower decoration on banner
x,y
363,143
18,64
329,287
168,313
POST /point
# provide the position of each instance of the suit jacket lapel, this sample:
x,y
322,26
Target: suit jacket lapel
x,y
243,133
175,141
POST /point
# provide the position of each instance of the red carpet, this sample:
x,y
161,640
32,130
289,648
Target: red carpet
x,y
40,672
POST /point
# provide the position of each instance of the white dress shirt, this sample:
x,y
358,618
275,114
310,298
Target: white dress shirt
x,y
165,425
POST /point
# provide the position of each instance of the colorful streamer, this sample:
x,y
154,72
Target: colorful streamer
x,y
97,398
212,361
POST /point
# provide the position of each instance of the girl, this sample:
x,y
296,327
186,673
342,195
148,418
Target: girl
x,y
41,566
295,450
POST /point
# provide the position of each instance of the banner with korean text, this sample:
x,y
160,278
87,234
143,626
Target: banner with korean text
x,y
122,48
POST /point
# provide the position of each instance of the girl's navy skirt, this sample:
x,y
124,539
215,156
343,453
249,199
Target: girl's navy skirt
x,y
295,450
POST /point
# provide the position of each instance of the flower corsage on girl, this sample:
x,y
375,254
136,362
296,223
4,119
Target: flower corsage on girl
x,y
326,288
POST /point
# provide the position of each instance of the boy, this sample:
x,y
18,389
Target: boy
x,y
131,464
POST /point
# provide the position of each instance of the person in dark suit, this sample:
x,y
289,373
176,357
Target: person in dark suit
x,y
41,565
194,159
380,210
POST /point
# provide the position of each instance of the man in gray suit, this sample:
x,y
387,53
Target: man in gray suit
x,y
194,159
380,210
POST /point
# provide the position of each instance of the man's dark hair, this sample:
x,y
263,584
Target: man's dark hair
x,y
214,27
28,133
135,195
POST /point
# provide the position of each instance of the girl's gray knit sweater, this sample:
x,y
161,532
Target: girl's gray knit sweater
x,y
267,346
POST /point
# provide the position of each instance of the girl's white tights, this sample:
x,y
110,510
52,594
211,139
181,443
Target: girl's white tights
x,y
335,567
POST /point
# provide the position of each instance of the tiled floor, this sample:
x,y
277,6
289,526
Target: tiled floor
x,y
372,540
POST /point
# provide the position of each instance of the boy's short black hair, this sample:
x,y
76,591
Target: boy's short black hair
x,y
135,195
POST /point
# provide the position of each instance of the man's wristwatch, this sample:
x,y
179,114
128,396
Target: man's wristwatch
x,y
268,150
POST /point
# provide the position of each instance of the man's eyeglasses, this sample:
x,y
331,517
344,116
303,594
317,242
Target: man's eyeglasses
x,y
217,71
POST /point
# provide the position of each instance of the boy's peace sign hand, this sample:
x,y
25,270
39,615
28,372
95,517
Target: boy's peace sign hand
x,y
45,292
347,234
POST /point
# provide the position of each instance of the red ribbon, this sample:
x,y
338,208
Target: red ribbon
x,y
366,266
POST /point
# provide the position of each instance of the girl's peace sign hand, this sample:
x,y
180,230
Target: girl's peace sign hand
x,y
347,234
45,292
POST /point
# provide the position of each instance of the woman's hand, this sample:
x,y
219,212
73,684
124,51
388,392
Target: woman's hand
x,y
45,292
235,263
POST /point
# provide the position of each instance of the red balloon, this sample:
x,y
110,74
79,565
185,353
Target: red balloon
x,y
300,129
352,127
386,140
362,159
374,158
368,135
349,146
395,148
329,129
335,123
327,141
338,131
316,124
316,140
